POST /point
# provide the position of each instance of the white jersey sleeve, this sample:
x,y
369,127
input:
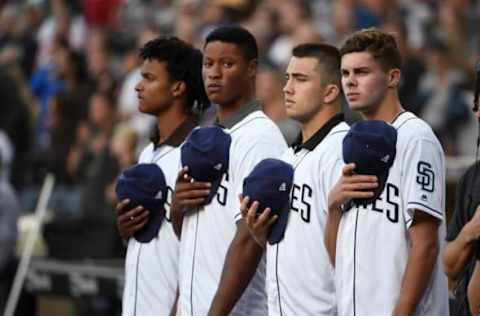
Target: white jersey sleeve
x,y
424,168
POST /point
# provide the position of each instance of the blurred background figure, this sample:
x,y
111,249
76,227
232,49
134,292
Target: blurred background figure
x,y
270,83
10,210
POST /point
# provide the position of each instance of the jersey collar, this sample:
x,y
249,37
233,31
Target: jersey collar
x,y
239,115
178,136
319,135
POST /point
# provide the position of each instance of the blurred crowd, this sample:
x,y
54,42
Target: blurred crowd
x,y
68,71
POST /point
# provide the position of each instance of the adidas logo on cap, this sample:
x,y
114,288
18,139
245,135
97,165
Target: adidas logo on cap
x,y
217,166
282,187
159,195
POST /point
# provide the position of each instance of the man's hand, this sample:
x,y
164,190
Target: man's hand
x,y
129,221
188,194
350,186
257,226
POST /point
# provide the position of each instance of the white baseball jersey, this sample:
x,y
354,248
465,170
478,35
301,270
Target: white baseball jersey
x,y
208,232
151,269
300,278
373,242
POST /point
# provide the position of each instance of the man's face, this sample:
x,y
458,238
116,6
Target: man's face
x,y
364,82
303,90
154,91
226,73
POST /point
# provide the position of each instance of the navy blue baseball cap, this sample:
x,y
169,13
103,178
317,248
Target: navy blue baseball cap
x,y
371,145
144,184
206,152
269,183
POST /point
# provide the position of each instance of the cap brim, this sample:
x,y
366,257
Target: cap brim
x,y
277,231
151,228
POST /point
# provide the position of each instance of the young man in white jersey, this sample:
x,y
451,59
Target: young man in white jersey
x,y
386,253
170,87
299,274
218,257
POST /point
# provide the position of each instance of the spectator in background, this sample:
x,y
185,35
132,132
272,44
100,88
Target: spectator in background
x,y
83,214
295,27
16,122
443,105
269,93
9,212
98,57
127,98
462,252
122,146
412,66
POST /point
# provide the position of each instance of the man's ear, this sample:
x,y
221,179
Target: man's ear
x,y
330,93
252,68
394,76
178,88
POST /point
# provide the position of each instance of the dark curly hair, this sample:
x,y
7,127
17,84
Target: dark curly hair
x,y
184,63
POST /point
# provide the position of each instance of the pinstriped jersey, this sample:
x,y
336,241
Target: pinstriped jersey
x,y
373,241
207,232
300,279
152,268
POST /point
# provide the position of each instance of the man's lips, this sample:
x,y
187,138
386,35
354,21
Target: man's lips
x,y
352,95
214,87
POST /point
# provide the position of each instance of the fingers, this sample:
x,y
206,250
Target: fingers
x,y
252,213
134,216
360,178
190,193
258,223
349,175
121,207
360,186
185,182
132,221
182,174
138,226
244,205
348,169
358,195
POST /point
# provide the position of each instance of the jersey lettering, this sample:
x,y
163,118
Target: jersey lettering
x,y
168,203
392,214
391,206
222,192
426,176
300,201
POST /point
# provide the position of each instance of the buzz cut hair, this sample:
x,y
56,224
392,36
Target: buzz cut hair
x,y
238,36
327,56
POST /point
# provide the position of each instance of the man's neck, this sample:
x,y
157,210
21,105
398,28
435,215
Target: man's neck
x,y
168,121
387,111
226,110
318,121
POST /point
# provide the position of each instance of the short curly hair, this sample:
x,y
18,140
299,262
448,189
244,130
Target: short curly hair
x,y
184,63
381,45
